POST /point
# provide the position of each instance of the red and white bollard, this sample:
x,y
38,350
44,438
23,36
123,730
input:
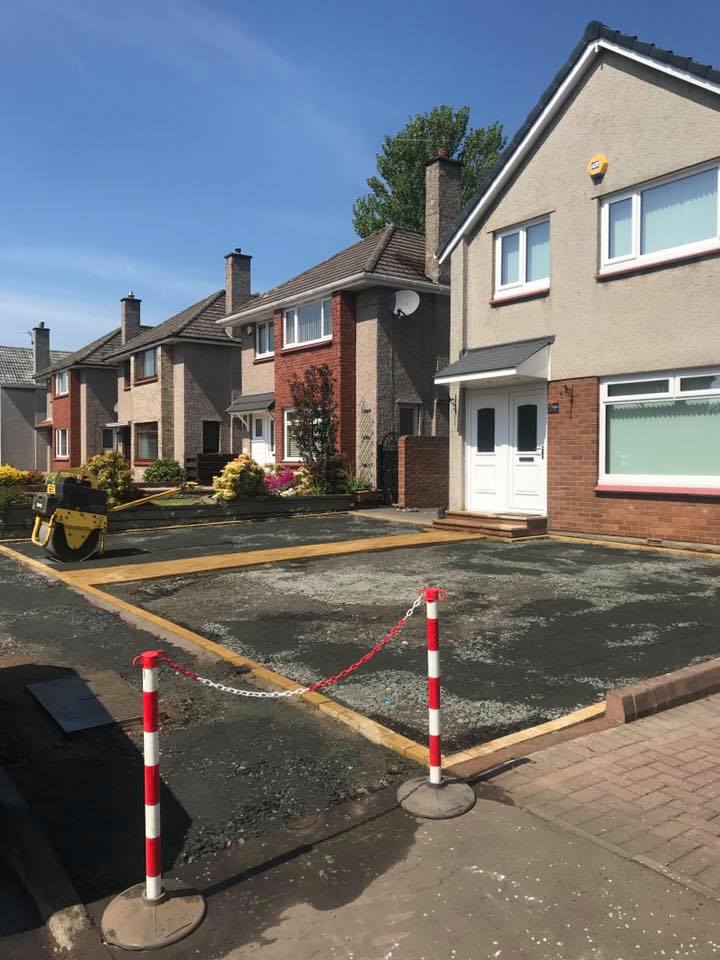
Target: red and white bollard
x,y
435,797
151,755
152,914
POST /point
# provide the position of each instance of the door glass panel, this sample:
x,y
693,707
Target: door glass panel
x,y
486,430
527,426
258,428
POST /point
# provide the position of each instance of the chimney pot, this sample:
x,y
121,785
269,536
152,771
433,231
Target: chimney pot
x,y
444,153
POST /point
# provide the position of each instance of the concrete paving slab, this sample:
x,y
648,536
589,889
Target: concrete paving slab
x,y
529,632
80,703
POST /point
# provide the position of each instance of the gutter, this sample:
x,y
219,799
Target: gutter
x,y
356,281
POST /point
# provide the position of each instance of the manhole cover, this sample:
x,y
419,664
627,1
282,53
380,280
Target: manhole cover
x,y
80,703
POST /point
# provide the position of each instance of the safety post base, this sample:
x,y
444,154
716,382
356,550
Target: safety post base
x,y
134,923
449,799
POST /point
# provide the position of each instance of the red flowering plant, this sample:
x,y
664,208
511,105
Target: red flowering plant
x,y
281,482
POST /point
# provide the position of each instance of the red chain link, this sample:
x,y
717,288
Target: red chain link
x,y
364,659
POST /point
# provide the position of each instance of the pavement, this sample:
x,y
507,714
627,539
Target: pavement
x,y
529,632
649,791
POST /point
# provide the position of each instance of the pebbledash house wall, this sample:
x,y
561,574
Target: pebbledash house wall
x,y
98,396
339,354
663,318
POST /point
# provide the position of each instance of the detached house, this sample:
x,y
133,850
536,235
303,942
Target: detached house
x,y
173,383
585,339
24,433
343,312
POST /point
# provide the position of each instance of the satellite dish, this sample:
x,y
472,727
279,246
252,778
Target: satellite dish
x,y
230,332
406,303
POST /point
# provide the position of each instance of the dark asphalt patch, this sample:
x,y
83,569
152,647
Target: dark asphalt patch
x,y
148,546
232,768
530,631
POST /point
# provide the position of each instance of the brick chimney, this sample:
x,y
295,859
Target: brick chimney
x,y
443,201
41,347
237,280
129,317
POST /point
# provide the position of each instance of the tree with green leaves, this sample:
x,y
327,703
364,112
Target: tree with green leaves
x,y
314,423
397,193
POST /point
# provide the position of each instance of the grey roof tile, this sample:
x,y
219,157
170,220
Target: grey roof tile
x,y
252,401
392,251
502,356
197,322
16,363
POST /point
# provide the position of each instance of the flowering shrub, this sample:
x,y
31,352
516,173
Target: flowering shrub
x,y
113,474
280,482
10,477
242,477
35,477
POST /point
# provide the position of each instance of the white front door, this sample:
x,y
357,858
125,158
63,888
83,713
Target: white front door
x,y
505,450
528,418
262,438
487,460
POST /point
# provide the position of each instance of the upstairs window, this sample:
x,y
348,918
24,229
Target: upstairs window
x,y
673,217
522,259
265,339
145,365
61,383
310,323
661,430
126,375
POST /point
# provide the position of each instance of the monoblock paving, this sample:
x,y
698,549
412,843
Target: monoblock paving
x,y
649,790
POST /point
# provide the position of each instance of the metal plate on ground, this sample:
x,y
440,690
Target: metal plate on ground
x,y
81,703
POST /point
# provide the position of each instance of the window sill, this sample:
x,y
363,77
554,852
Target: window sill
x,y
649,266
666,491
310,345
142,463
59,396
500,299
268,358
58,457
139,383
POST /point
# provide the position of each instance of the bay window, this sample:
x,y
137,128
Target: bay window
x,y
672,217
522,259
661,430
265,339
309,323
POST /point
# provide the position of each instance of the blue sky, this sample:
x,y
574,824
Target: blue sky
x,y
142,141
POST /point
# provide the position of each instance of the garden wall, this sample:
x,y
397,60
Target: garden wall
x,y
423,471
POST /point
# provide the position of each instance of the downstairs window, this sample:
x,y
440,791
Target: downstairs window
x,y
661,430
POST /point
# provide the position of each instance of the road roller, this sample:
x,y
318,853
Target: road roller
x,y
71,517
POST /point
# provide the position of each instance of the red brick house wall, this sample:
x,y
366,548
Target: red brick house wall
x,y
339,355
423,471
575,506
66,413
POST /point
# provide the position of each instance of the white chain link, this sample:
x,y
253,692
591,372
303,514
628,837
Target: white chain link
x,y
276,694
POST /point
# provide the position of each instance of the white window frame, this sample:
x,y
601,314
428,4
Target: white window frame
x,y
62,377
674,378
267,353
271,440
520,285
286,446
609,265
62,432
290,324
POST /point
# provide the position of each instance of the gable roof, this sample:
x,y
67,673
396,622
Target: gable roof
x,y
91,354
197,322
391,252
17,364
597,38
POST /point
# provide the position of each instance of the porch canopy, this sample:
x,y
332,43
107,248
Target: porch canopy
x,y
522,361
252,403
